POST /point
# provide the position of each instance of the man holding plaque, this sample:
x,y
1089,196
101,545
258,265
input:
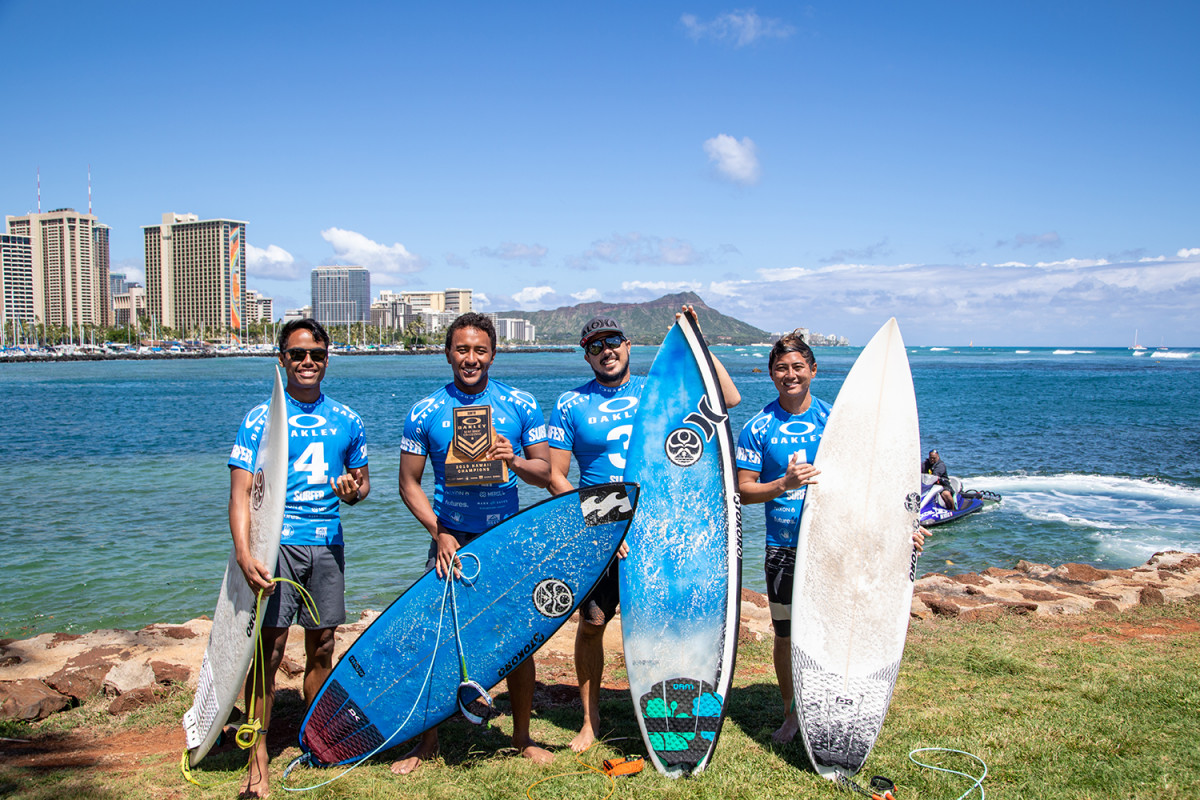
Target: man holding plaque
x,y
481,435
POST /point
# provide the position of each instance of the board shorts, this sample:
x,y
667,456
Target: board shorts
x,y
459,536
781,567
321,570
600,605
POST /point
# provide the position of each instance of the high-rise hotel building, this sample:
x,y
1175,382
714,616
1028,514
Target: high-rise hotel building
x,y
341,295
16,279
196,272
68,268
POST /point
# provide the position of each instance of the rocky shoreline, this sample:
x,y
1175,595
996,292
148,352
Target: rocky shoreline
x,y
52,672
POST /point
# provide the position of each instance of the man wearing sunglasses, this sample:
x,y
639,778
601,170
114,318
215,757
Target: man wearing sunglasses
x,y
458,514
327,466
593,422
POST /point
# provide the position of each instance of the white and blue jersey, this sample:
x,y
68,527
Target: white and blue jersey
x,y
325,439
594,422
768,441
429,428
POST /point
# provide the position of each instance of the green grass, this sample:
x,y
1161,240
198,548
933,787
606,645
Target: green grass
x,y
1058,708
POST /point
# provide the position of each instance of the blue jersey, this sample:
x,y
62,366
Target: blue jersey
x,y
325,439
768,442
594,422
429,429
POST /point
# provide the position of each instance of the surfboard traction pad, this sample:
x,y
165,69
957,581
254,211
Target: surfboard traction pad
x,y
338,730
683,717
843,716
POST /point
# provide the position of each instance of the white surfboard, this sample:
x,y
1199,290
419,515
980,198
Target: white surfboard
x,y
235,621
855,562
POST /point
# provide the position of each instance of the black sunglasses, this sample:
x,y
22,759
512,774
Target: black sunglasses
x,y
296,355
596,346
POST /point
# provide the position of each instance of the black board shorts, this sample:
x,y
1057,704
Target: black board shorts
x,y
781,567
321,570
600,605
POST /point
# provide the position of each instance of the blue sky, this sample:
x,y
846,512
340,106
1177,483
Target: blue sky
x,y
995,172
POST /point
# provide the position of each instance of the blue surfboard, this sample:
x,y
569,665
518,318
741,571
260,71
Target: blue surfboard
x,y
521,581
680,596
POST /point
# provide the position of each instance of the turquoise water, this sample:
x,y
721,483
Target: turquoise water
x,y
118,485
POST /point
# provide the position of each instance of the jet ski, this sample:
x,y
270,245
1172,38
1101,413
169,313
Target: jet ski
x,y
966,501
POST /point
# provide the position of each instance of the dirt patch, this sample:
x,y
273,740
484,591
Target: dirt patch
x,y
1156,630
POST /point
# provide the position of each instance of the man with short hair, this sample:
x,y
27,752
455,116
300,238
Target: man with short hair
x,y
593,422
935,466
327,466
458,514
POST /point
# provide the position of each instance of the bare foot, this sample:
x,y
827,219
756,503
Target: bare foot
x,y
787,731
538,755
421,752
257,783
585,738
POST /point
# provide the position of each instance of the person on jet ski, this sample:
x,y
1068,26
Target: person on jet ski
x,y
935,466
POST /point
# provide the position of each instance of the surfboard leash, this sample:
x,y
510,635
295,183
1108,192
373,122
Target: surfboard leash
x,y
588,769
977,782
306,758
248,732
881,788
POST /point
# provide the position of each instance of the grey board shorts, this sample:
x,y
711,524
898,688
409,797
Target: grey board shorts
x,y
321,570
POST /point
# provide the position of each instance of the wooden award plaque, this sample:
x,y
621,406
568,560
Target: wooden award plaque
x,y
473,436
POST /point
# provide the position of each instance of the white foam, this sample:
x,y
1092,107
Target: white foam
x,y
1171,354
1022,352
938,349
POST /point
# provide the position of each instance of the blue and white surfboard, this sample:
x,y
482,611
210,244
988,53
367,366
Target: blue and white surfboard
x,y
522,580
680,594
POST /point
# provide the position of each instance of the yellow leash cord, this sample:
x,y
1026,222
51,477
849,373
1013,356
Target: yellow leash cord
x,y
588,769
249,731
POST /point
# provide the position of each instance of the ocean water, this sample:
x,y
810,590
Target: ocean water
x,y
118,487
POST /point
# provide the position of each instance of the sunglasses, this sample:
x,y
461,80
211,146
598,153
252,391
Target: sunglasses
x,y
596,346
296,354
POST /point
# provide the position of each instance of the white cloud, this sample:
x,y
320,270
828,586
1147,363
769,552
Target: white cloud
x,y
354,248
586,296
742,27
532,295
735,161
274,262
531,254
480,300
663,286
1189,252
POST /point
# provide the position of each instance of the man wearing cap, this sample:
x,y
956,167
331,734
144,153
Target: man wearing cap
x,y
594,422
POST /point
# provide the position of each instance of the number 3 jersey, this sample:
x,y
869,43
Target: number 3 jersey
x,y
594,422
768,442
325,439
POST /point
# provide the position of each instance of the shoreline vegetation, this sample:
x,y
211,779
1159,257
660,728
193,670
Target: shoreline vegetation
x,y
166,355
1085,687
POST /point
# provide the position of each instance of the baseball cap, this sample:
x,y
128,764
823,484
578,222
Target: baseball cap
x,y
598,325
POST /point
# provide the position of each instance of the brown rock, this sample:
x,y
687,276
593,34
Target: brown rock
x,y
941,606
983,613
30,700
79,682
128,676
177,632
137,698
165,672
59,638
10,661
1149,596
1107,606
291,668
1080,572
997,572
1020,608
747,635
1030,568
970,579
753,597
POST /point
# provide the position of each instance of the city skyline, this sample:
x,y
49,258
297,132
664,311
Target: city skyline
x,y
997,173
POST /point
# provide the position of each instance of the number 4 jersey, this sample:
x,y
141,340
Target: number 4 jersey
x,y
325,439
